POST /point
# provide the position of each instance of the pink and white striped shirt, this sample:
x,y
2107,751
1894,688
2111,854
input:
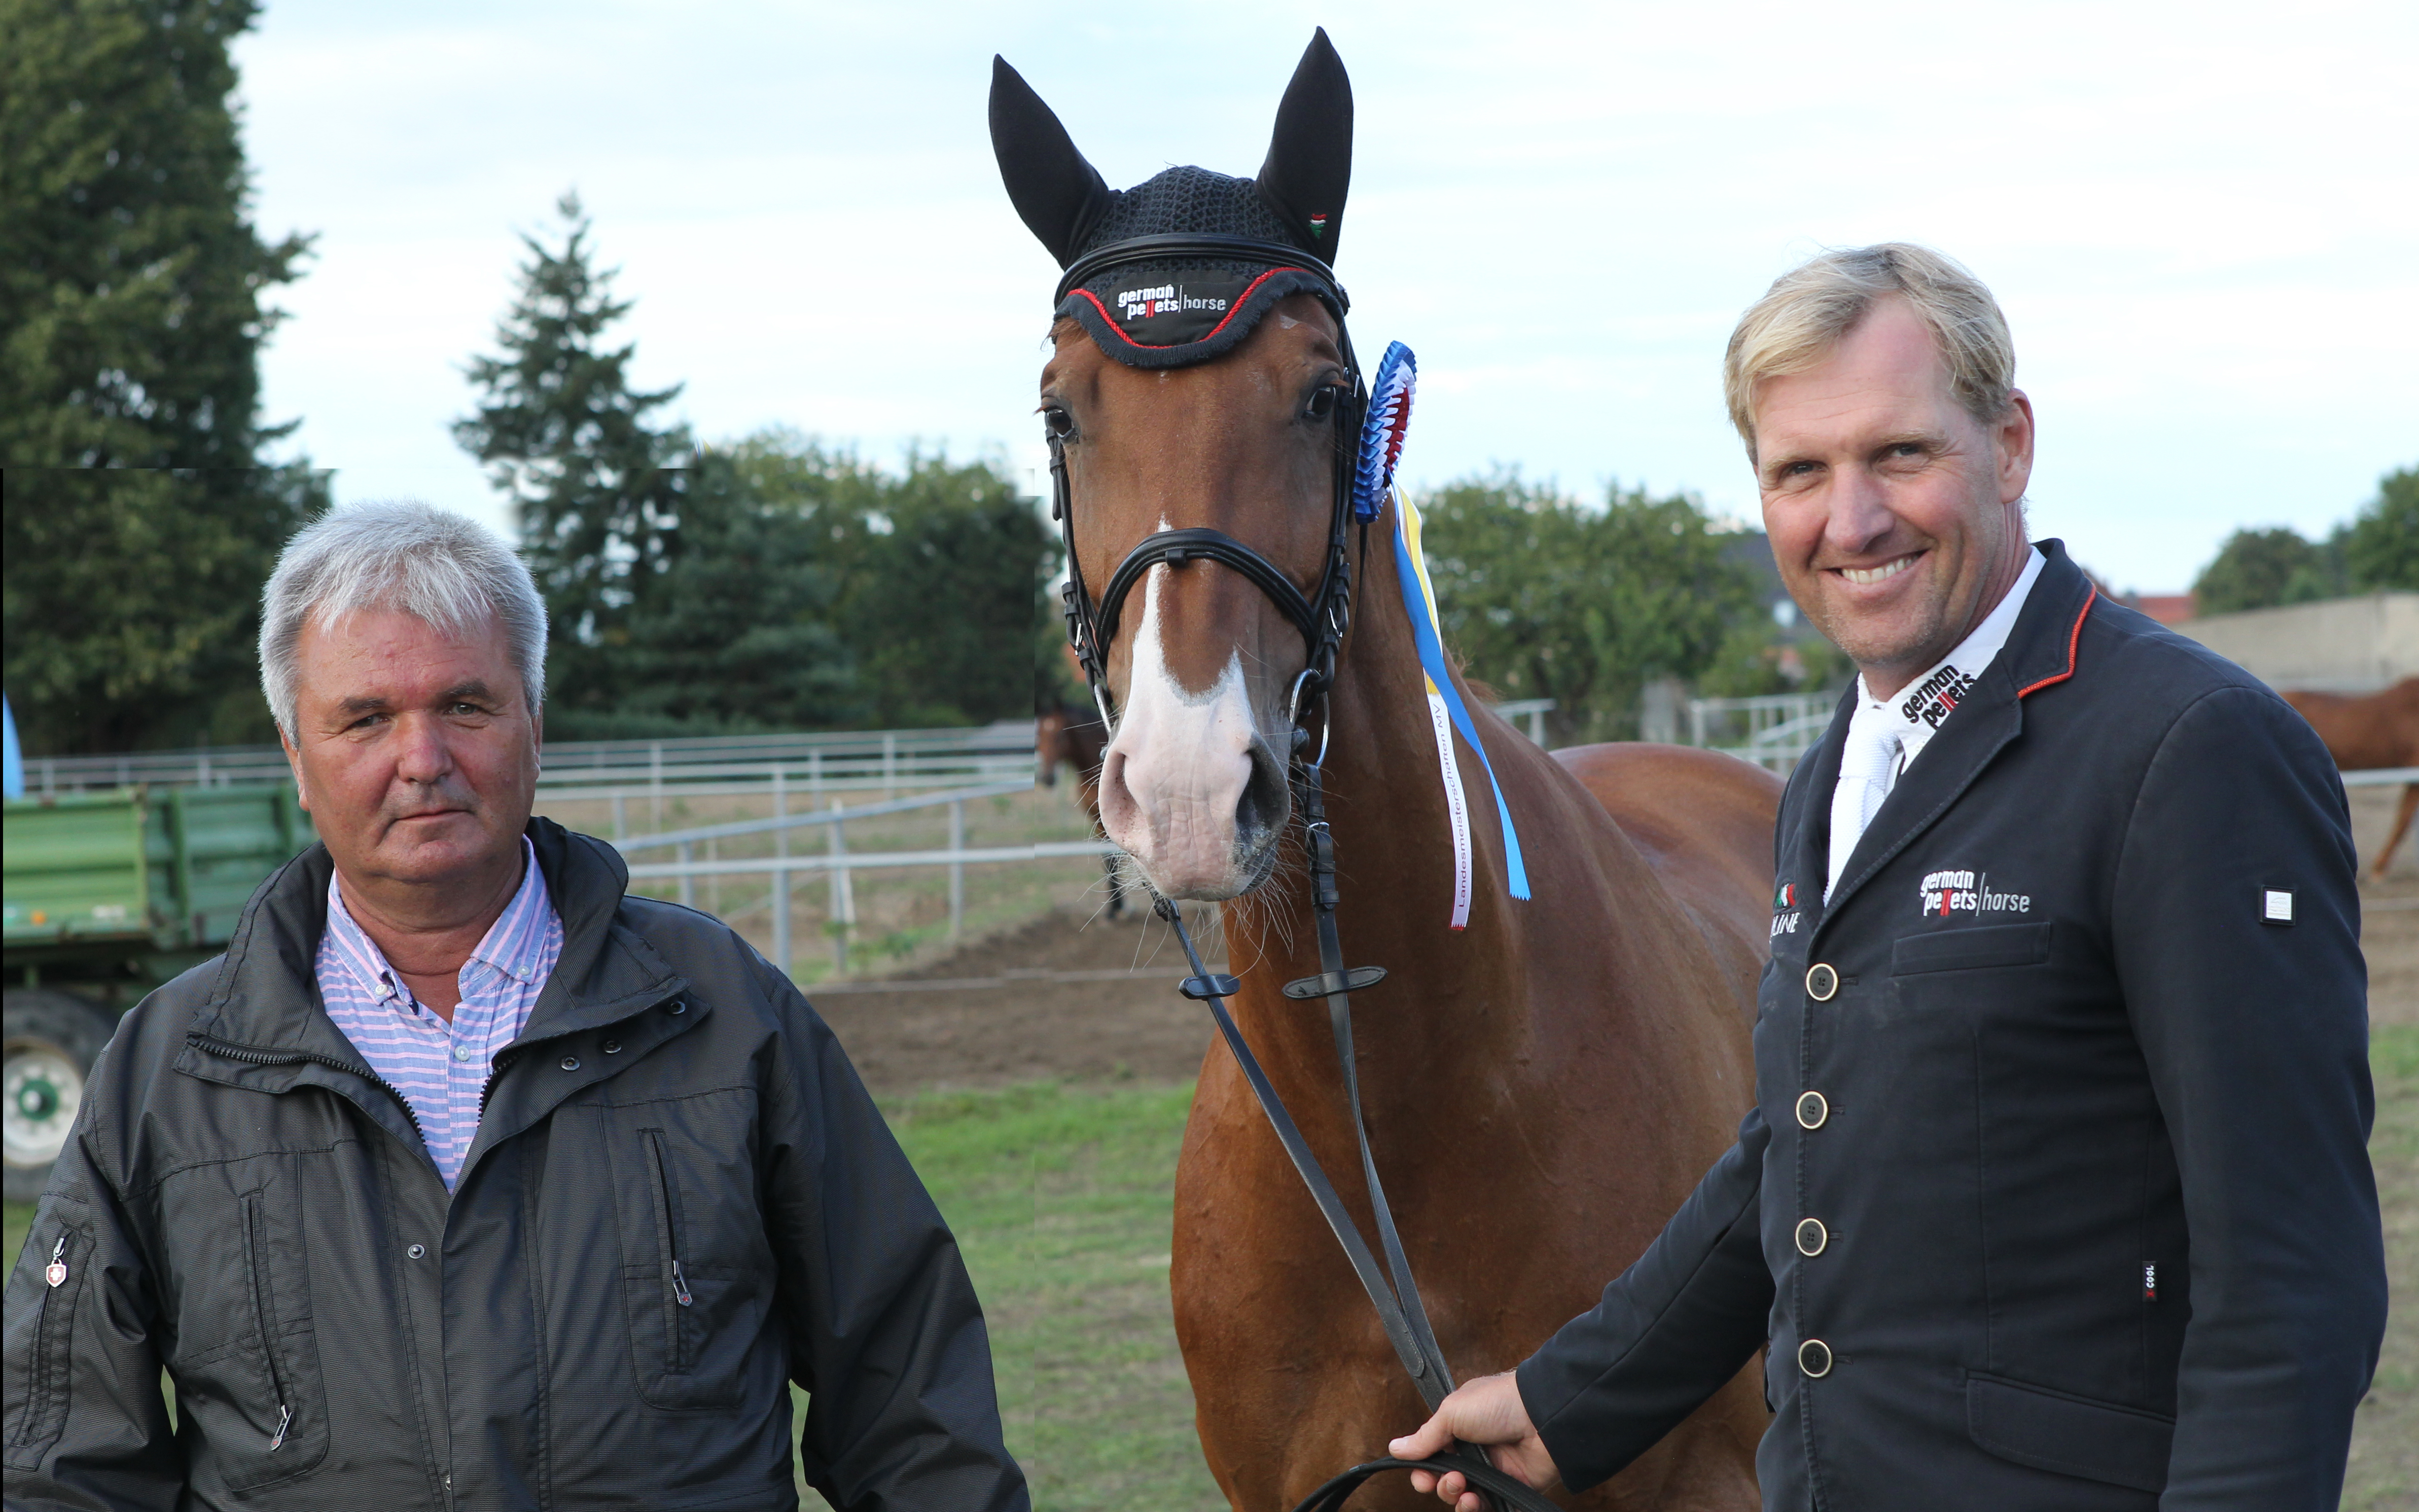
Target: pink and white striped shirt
x,y
442,1068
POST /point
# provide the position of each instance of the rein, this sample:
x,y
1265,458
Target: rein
x,y
1322,616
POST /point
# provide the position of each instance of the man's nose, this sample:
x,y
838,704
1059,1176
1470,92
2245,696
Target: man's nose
x,y
422,755
1858,516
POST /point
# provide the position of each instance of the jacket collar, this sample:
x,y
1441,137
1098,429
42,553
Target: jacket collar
x,y
2040,653
266,995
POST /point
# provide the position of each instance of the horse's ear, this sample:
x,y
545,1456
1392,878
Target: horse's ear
x,y
1060,196
1309,156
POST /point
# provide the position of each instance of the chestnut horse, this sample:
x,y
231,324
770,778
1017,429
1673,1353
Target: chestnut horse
x,y
2366,734
1544,1087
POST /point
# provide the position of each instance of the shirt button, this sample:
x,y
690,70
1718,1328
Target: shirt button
x,y
1811,1237
571,1062
417,1251
1822,981
461,1051
1815,1358
1813,1110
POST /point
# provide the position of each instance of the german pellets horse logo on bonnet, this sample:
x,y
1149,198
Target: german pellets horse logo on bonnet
x,y
1201,299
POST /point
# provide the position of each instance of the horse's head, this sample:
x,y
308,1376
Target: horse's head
x,y
1196,391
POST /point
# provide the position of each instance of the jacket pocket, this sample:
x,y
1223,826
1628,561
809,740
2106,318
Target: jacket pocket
x,y
2071,1435
48,1369
1971,950
251,1391
694,1316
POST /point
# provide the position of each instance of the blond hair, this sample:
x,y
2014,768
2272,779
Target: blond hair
x,y
1810,308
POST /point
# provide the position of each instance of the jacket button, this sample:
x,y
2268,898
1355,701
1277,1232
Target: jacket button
x,y
613,1047
1812,1109
1822,981
571,1062
676,1005
417,1251
1815,1358
1811,1237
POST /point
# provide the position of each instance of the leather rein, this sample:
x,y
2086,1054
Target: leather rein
x,y
1322,616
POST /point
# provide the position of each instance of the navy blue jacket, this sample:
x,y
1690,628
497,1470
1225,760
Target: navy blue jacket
x,y
2056,1193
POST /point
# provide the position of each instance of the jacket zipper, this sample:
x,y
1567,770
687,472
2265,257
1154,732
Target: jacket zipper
x,y
288,1057
39,1408
676,1356
264,1312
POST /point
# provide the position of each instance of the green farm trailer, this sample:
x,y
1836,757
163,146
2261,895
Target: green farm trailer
x,y
108,895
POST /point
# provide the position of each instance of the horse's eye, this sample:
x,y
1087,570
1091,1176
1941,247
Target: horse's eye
x,y
1322,403
1057,422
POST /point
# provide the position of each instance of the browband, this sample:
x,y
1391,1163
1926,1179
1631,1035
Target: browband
x,y
1176,246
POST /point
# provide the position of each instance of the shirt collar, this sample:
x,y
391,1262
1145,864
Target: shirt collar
x,y
515,944
1918,709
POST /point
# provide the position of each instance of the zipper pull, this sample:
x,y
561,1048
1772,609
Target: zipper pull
x,y
57,1272
679,1287
284,1415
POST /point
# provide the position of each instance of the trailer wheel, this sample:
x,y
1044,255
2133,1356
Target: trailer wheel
x,y
51,1040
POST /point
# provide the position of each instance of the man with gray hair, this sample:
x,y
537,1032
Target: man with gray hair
x,y
2055,1193
464,1178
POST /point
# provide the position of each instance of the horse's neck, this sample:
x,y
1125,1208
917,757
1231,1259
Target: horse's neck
x,y
1393,832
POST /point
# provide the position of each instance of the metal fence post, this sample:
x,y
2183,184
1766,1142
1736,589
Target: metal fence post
x,y
890,765
621,824
656,782
843,897
687,879
957,869
780,875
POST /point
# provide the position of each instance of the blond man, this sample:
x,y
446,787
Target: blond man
x,y
2056,1194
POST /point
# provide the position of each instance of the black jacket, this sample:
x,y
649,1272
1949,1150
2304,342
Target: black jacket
x,y
2060,1196
245,1203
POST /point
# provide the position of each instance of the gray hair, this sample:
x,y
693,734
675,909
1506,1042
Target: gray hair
x,y
1810,307
444,568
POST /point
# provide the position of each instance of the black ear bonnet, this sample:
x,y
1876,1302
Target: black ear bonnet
x,y
1181,267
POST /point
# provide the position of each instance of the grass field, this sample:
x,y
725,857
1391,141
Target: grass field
x,y
1060,1198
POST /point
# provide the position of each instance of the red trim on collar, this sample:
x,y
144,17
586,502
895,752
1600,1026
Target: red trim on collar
x,y
1232,311
2073,637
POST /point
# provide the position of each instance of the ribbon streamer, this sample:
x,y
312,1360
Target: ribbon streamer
x,y
1419,597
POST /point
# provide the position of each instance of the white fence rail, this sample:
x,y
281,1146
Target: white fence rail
x,y
842,760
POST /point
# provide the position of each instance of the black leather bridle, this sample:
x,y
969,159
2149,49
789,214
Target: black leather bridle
x,y
1322,616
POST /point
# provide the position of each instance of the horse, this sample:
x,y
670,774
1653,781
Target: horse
x,y
1544,1086
1072,735
2375,732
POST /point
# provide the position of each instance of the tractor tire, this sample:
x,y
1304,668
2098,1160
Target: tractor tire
x,y
50,1039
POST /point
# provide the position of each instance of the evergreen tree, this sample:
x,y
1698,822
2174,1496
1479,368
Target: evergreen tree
x,y
139,524
595,474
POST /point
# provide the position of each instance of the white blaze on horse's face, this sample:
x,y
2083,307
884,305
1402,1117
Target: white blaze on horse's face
x,y
1177,790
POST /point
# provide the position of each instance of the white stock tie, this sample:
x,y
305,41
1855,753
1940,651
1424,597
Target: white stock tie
x,y
1868,768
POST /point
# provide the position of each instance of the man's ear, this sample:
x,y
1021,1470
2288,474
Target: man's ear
x,y
294,764
1309,166
1060,196
2015,439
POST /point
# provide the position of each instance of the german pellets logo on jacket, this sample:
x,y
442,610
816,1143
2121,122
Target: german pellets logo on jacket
x,y
1945,893
1937,696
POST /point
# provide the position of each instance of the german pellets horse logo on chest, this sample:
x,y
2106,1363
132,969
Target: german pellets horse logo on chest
x,y
1948,893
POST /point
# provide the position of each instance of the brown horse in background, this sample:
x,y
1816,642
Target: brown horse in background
x,y
1544,1088
2377,733
1071,735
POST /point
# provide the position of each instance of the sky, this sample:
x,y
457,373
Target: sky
x,y
2202,222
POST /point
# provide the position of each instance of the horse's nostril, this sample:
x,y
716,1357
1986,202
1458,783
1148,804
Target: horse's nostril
x,y
1260,813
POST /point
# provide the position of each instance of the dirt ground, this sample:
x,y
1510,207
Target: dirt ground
x,y
1072,996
